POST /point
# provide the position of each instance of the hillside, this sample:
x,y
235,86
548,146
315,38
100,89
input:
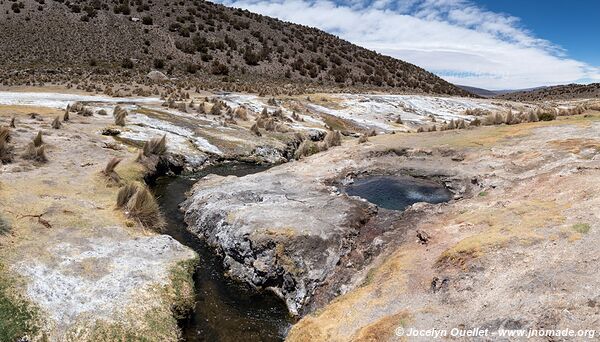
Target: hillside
x,y
478,91
43,40
561,92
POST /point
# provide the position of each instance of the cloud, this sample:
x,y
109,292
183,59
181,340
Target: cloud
x,y
456,39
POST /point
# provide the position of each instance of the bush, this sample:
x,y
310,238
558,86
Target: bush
x,y
546,116
147,20
159,64
127,63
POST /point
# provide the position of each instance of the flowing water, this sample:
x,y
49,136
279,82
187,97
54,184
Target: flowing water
x,y
398,192
225,310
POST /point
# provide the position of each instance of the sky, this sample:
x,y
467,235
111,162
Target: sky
x,y
491,44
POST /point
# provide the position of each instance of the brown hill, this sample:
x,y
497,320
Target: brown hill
x,y
562,92
43,40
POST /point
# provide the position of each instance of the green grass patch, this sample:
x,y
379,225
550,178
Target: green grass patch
x,y
17,316
582,228
483,194
5,227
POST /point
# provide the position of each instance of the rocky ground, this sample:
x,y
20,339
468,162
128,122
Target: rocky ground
x,y
516,252
74,267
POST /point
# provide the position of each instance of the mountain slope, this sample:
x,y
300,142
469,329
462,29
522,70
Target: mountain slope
x,y
191,39
561,92
478,91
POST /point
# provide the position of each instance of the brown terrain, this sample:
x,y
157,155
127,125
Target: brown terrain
x,y
561,92
200,43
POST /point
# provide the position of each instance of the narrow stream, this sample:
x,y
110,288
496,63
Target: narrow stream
x,y
225,310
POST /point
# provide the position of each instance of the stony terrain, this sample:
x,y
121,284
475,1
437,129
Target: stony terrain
x,y
516,252
194,42
72,265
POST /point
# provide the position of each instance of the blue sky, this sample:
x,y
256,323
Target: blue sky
x,y
493,44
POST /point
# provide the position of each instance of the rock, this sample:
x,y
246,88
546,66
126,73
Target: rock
x,y
156,76
275,229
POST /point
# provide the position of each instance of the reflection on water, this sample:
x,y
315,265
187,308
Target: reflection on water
x,y
398,192
225,310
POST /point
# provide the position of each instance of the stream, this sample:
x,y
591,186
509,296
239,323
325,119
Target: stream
x,y
226,310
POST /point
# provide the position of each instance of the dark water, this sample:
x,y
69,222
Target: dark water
x,y
398,192
225,310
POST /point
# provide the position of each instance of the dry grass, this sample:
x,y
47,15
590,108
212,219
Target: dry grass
x,y
38,140
5,148
120,114
109,170
306,148
254,129
333,138
56,123
139,203
126,192
156,146
34,153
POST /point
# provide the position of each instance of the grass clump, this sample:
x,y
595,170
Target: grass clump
x,y
139,203
56,123
34,153
5,148
36,150
120,114
582,228
38,140
109,170
306,148
156,146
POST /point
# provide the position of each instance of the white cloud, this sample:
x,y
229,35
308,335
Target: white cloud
x,y
455,39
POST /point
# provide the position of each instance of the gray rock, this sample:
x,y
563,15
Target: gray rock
x,y
276,230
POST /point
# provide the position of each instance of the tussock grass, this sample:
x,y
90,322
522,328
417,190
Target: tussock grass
x,y
5,148
34,153
120,114
12,122
254,129
38,140
333,138
109,170
66,116
139,203
56,123
126,192
306,148
155,146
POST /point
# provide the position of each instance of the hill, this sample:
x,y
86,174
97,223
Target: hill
x,y
214,45
478,91
561,92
